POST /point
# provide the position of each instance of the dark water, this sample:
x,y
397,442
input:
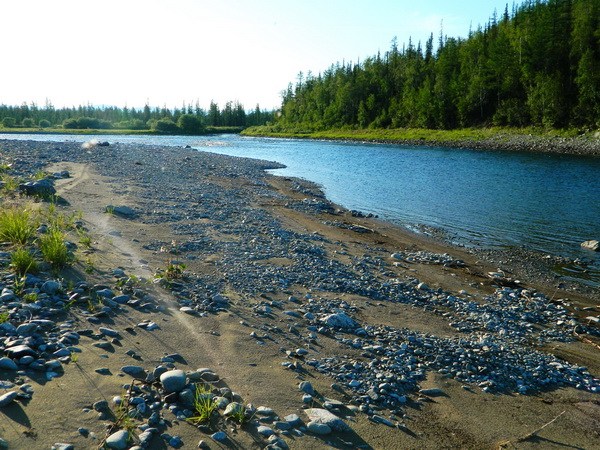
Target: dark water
x,y
549,203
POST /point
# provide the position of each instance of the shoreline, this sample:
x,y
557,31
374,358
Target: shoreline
x,y
585,145
279,286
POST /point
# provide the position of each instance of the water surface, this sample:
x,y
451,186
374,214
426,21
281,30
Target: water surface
x,y
549,203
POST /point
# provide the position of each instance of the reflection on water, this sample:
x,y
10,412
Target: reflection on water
x,y
544,202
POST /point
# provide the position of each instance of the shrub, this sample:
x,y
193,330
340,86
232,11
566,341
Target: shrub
x,y
54,249
165,126
9,122
83,123
45,123
189,124
15,226
22,261
27,122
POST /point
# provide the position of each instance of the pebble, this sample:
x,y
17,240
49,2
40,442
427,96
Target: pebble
x,y
219,436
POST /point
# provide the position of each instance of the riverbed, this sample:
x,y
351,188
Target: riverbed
x,y
543,202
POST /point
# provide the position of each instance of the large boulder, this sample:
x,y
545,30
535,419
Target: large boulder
x,y
39,188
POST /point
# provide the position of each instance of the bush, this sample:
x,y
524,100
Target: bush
x,y
45,123
165,126
9,122
27,122
83,123
133,124
189,124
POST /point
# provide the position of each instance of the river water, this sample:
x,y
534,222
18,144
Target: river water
x,y
544,202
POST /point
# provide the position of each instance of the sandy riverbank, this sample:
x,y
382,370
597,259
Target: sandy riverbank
x,y
268,261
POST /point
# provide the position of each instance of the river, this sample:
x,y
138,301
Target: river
x,y
545,202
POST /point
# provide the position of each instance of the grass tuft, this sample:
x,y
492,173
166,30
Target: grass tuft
x,y
22,261
204,405
54,249
16,226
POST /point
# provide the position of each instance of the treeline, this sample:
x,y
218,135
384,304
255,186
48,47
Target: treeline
x,y
538,64
187,119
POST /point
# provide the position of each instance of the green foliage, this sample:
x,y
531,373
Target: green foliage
x,y
22,261
165,126
4,316
9,122
189,124
30,297
44,123
204,405
82,123
16,226
27,122
539,65
54,249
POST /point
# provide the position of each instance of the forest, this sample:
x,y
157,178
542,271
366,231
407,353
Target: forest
x,y
189,119
535,65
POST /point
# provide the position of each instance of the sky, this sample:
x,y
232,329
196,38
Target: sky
x,y
166,53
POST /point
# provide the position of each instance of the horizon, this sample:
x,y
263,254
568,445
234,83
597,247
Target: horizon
x,y
148,53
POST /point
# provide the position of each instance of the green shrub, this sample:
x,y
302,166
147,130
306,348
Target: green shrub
x,y
54,249
27,122
9,122
45,123
189,124
15,226
22,261
165,126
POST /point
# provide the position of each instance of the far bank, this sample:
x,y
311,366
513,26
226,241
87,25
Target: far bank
x,y
507,139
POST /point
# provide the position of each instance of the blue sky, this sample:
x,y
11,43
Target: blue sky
x,y
129,52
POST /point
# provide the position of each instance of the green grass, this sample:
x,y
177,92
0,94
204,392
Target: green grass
x,y
22,262
4,317
54,249
408,134
16,226
204,405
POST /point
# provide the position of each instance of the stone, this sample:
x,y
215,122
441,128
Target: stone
x,y
62,446
26,329
173,380
339,320
592,245
433,392
234,408
322,416
306,387
40,188
108,332
134,371
7,364
118,440
51,287
123,211
219,436
318,428
7,398
18,351
293,419
264,430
